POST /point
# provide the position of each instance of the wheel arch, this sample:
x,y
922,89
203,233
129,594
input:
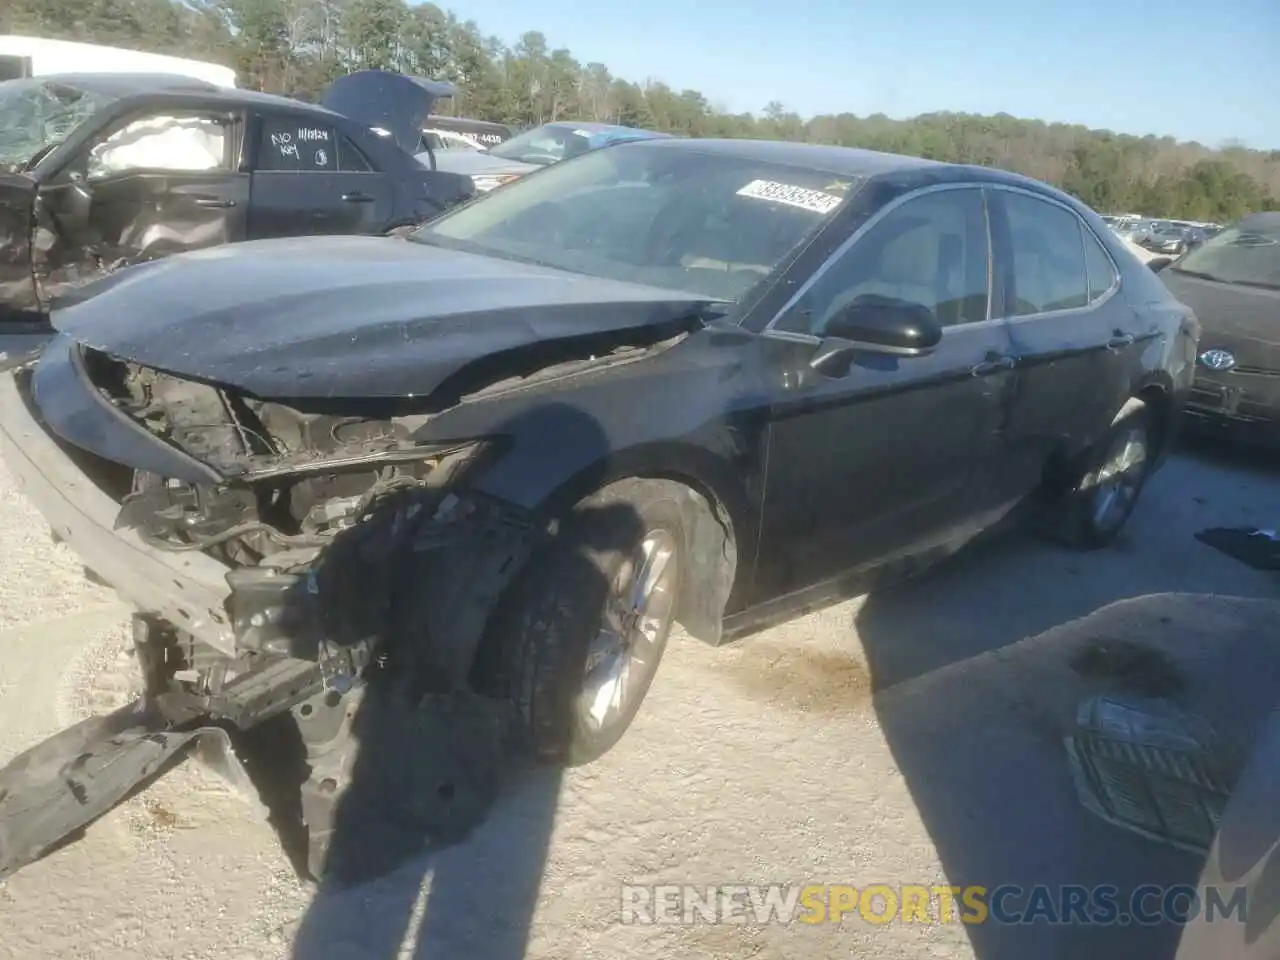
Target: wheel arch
x,y
721,522
1157,393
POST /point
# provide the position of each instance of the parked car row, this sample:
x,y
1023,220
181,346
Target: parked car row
x,y
1162,236
101,171
108,170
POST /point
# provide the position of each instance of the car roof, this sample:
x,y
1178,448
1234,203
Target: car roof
x,y
847,161
140,85
131,84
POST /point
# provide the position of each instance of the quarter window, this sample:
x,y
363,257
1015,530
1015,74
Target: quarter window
x,y
186,143
300,145
1098,266
931,251
1048,256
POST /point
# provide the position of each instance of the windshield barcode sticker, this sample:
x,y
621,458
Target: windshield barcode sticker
x,y
792,196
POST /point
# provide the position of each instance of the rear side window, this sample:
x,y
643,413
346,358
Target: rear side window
x,y
1048,256
300,145
1098,267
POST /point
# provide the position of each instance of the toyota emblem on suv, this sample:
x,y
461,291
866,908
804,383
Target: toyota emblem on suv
x,y
1217,359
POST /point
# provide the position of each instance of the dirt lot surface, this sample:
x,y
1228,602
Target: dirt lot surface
x,y
910,738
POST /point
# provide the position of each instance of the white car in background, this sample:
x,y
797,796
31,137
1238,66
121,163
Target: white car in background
x,y
439,140
534,149
22,57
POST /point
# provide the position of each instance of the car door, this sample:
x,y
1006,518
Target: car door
x,y
1076,340
18,301
154,183
309,178
888,456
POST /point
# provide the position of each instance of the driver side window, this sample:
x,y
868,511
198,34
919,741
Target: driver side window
x,y
931,251
169,142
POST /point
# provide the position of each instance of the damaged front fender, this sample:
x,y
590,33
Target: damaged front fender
x,y
414,580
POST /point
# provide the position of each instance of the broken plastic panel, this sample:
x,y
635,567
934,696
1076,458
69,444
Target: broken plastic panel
x,y
66,782
1149,767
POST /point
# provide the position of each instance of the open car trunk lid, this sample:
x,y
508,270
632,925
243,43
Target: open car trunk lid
x,y
391,103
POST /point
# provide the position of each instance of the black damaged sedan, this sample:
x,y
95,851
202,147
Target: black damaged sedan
x,y
696,382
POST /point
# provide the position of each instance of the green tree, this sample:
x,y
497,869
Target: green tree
x,y
298,46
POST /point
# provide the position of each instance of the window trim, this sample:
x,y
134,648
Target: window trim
x,y
1117,276
121,122
867,225
1094,302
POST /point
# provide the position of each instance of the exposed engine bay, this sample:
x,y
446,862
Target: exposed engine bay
x,y
352,568
363,571
294,479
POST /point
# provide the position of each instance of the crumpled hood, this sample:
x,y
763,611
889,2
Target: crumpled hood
x,y
345,316
1244,320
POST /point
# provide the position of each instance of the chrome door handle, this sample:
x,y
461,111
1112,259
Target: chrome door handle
x,y
211,202
1120,341
993,365
357,198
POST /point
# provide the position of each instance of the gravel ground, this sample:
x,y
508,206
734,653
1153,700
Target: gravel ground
x,y
876,741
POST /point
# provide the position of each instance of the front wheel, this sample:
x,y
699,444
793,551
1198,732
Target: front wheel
x,y
577,639
1096,506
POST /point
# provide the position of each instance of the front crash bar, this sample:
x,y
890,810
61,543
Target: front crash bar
x,y
57,788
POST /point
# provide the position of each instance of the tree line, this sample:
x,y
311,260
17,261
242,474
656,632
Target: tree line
x,y
296,47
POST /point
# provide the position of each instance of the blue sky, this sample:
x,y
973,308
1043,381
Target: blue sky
x,y
1193,70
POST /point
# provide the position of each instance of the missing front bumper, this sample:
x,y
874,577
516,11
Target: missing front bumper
x,y
57,788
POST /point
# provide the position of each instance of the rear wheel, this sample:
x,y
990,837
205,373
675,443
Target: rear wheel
x,y
577,640
1096,506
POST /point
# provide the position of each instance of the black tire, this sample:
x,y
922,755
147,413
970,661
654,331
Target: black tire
x,y
536,646
1074,516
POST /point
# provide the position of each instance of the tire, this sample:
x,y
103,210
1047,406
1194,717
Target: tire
x,y
546,633
1085,516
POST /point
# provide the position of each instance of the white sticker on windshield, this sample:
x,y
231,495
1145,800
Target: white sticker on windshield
x,y
792,196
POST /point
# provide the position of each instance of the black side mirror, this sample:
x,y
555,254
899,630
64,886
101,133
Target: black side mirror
x,y
875,324
1159,263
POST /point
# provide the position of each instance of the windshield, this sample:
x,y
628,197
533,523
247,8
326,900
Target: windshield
x,y
544,145
36,115
710,224
1249,256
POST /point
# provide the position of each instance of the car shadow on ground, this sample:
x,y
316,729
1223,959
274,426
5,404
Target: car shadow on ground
x,y
431,768
975,718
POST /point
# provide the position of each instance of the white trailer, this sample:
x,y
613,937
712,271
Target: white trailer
x,y
35,57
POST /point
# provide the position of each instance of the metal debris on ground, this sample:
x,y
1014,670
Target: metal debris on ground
x,y
1257,548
